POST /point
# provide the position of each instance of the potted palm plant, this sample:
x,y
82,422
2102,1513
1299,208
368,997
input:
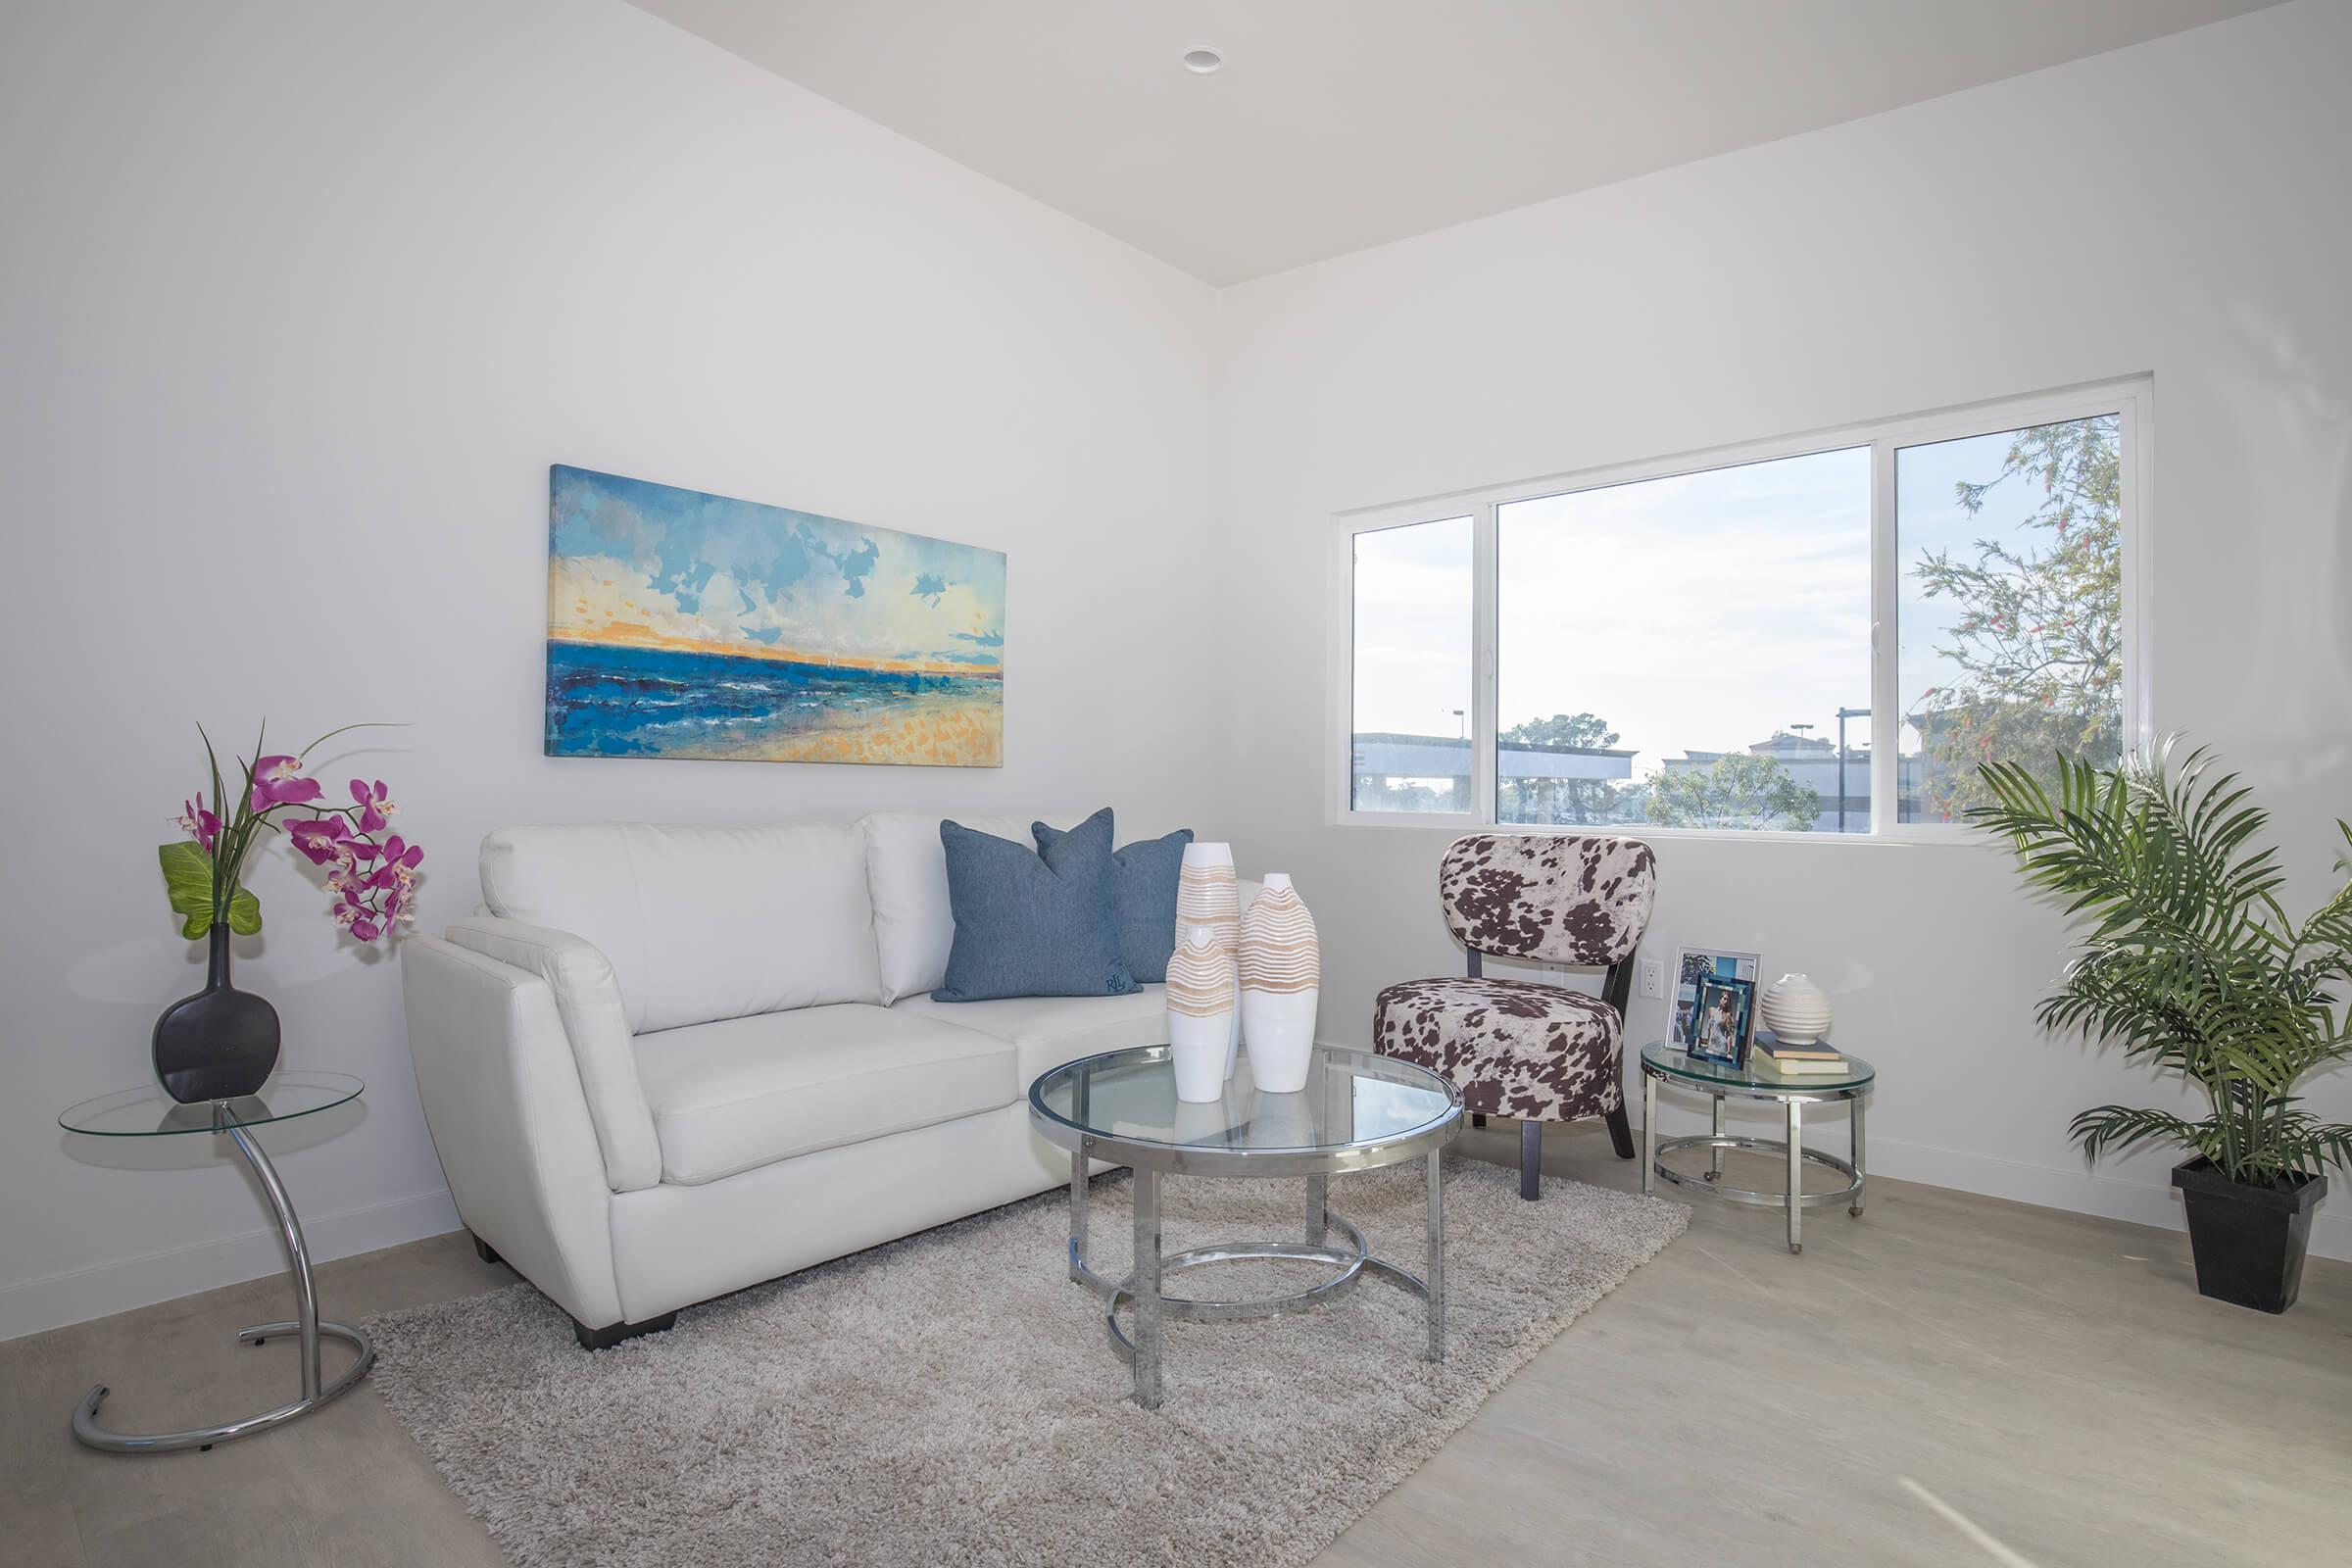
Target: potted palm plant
x,y
2192,966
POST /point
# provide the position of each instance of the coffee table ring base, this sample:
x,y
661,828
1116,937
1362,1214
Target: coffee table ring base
x,y
1748,1194
1350,1260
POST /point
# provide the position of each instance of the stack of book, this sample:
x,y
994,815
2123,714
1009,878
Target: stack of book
x,y
1768,1057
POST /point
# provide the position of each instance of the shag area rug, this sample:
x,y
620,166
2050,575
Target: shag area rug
x,y
952,1398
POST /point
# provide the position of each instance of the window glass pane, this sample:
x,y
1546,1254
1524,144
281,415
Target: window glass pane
x,y
2010,553
1411,741
1691,651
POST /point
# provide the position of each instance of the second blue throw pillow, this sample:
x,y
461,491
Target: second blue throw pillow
x,y
1143,896
1032,923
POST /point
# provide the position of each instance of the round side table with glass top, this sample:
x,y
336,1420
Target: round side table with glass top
x,y
1662,1063
149,1113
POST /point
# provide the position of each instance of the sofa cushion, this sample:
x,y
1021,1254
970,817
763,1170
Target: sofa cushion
x,y
742,1093
907,880
700,922
1048,1031
1029,925
1142,897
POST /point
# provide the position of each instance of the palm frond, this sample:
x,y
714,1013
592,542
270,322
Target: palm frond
x,y
2115,1128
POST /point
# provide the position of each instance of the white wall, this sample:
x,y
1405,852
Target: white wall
x,y
297,304
2176,208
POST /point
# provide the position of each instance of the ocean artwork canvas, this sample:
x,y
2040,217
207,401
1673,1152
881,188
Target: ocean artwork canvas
x,y
681,624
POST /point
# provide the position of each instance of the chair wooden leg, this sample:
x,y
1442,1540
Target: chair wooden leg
x,y
1530,1159
1621,1133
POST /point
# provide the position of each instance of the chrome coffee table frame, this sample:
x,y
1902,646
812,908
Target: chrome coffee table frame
x,y
235,1119
1152,1160
1792,1094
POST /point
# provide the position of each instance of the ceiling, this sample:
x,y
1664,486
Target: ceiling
x,y
1336,124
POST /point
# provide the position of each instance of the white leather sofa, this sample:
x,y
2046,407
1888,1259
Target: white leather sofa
x,y
673,1062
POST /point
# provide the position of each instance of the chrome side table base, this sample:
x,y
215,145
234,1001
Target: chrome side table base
x,y
1793,1196
1143,1288
307,1326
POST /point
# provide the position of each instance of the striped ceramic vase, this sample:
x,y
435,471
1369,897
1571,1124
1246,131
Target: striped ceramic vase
x,y
1200,979
1281,975
1207,894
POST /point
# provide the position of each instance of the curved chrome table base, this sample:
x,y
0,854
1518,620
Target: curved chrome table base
x,y
85,1414
1351,1262
307,1326
1850,1194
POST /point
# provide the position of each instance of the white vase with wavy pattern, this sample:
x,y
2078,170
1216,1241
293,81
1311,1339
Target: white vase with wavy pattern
x,y
1282,978
1207,893
1795,1011
1199,1001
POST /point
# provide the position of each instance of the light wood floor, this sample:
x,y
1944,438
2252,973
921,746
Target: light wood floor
x,y
1950,1379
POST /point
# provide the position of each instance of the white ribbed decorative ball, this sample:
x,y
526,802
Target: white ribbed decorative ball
x,y
1795,1011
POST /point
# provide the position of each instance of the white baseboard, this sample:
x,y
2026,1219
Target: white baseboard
x,y
2070,1188
2076,1190
102,1290
105,1289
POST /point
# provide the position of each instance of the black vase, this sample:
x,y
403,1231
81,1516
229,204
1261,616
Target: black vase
x,y
217,1043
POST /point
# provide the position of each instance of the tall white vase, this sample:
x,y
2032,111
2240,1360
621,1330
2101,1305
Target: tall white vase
x,y
1795,1011
1209,894
1201,982
1282,979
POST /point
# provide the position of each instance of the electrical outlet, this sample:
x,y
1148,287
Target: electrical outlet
x,y
1653,977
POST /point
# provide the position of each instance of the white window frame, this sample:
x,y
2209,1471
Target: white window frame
x,y
2130,400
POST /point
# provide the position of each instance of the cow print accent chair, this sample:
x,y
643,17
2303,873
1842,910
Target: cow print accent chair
x,y
1517,1048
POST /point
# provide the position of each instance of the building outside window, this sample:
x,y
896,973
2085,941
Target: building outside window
x,y
1690,645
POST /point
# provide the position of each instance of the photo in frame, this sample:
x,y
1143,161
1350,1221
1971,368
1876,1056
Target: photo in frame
x,y
1723,1020
1690,966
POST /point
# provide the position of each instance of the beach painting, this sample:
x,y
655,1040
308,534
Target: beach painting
x,y
681,624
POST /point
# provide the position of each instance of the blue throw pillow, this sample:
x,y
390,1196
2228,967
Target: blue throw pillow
x,y
1029,925
1142,897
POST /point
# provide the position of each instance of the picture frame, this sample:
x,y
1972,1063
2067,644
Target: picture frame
x,y
1690,966
1723,1022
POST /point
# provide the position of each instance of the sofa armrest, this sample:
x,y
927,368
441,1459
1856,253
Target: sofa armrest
x,y
502,1097
587,998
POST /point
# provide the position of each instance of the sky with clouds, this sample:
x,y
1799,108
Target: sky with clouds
x,y
1700,612
704,568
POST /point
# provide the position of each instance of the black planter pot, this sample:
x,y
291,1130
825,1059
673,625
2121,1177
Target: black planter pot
x,y
2249,1241
217,1043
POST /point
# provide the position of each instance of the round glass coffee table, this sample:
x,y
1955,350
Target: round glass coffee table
x,y
1662,1063
149,1113
1358,1111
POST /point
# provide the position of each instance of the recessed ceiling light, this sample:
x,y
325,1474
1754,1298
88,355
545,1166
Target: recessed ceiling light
x,y
1203,62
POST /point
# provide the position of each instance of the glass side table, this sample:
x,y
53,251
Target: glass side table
x,y
1664,1063
149,1113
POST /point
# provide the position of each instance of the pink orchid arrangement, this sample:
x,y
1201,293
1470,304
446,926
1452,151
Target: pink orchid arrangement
x,y
372,873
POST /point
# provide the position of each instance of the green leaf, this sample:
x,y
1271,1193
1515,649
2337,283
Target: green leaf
x,y
244,913
188,884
